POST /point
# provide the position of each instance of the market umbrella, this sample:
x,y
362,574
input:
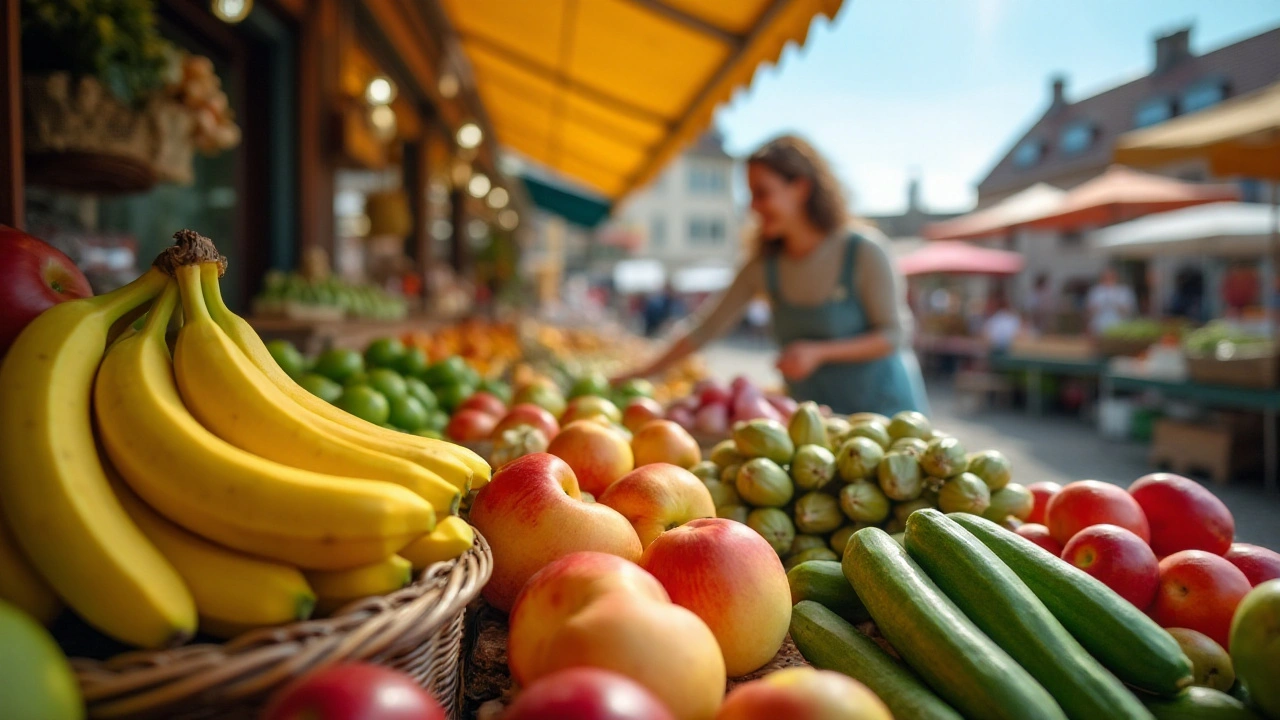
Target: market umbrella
x,y
1225,229
1005,215
959,258
1121,194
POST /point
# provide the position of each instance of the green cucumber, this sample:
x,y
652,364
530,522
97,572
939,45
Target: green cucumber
x,y
961,664
1199,703
1127,642
1002,606
828,642
824,582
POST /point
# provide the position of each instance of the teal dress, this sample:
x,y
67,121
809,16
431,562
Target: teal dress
x,y
886,385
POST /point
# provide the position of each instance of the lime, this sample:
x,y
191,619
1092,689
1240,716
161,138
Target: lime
x,y
447,371
384,353
428,433
38,681
339,364
437,420
590,384
387,382
418,389
453,395
287,357
321,386
496,388
407,413
634,388
366,403
359,378
413,363
470,376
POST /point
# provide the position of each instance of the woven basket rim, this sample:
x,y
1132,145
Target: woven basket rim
x,y
145,682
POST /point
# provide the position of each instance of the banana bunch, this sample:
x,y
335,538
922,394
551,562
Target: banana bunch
x,y
158,492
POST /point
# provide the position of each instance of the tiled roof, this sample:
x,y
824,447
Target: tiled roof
x,y
1247,65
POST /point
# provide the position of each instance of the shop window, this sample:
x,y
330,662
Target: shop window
x,y
1029,153
707,180
1078,137
1153,111
706,232
658,232
1251,191
1203,94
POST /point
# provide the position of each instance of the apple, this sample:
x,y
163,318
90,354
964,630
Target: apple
x,y
731,577
639,412
709,392
1183,515
1257,563
1039,534
1089,502
665,441
34,276
786,406
353,691
1041,492
585,693
532,513
587,406
470,425
803,693
1120,559
485,402
1255,646
589,609
1210,664
528,414
657,497
682,416
597,454
542,393
1200,591
712,419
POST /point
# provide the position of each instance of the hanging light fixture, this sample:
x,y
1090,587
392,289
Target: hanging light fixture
x,y
479,185
231,11
383,119
469,136
380,91
508,219
498,198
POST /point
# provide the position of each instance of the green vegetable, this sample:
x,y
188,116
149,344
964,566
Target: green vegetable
x,y
815,554
944,457
900,476
817,513
964,493
858,458
992,467
807,427
864,502
774,526
762,438
823,581
812,467
763,483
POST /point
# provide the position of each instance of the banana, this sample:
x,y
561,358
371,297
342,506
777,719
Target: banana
x,y
230,496
451,538
459,466
234,400
21,584
55,496
338,588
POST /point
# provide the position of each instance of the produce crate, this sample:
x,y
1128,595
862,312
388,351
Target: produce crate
x,y
1261,371
1187,448
1055,347
1124,347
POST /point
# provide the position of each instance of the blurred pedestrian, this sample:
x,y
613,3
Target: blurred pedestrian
x,y
1109,303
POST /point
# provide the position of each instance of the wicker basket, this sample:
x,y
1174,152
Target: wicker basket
x,y
418,630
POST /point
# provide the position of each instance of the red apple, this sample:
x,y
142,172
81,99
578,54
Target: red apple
x,y
681,416
1041,491
1200,591
586,693
729,576
485,402
34,276
786,406
1183,515
1039,534
657,497
712,419
528,414
709,392
639,412
802,693
1257,563
470,425
354,691
1089,502
1119,559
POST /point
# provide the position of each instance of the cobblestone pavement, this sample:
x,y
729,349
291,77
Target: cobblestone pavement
x,y
1058,449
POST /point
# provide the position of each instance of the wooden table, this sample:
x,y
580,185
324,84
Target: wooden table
x,y
1037,367
315,336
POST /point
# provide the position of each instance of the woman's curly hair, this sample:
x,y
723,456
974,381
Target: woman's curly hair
x,y
793,158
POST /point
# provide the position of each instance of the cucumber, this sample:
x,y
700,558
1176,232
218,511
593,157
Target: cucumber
x,y
1199,703
961,664
823,582
1002,606
828,642
1127,642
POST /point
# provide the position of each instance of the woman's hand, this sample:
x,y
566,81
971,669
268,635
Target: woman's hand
x,y
800,359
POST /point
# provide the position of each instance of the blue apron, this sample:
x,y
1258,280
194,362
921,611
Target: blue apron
x,y
886,385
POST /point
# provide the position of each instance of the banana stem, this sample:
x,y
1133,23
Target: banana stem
x,y
193,306
161,311
118,303
212,289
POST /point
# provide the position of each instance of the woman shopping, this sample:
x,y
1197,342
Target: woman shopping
x,y
839,306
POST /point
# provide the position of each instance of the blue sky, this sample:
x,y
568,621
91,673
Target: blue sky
x,y
945,86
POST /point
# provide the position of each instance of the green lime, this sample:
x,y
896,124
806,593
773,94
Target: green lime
x,y
496,388
437,420
339,364
418,389
366,403
287,357
359,378
634,388
407,413
470,376
413,363
38,681
321,386
384,353
389,426
448,371
428,433
590,384
453,395
387,382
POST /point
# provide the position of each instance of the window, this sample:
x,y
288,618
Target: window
x,y
1071,240
706,232
1028,153
1203,94
1153,111
1078,137
1251,190
708,180
658,232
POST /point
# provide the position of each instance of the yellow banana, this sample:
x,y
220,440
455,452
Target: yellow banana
x,y
340,587
230,496
452,537
52,488
458,465
231,589
234,400
21,584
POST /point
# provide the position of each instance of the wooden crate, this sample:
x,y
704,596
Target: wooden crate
x,y
1187,448
1260,372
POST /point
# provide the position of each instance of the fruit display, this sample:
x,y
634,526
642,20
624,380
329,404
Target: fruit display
x,y
712,409
296,295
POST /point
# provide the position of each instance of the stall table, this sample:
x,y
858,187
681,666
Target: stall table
x,y
1037,367
1266,402
315,336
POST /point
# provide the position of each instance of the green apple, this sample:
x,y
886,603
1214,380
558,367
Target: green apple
x,y
365,403
388,382
287,357
1255,646
339,363
418,389
407,413
38,681
413,363
384,353
321,386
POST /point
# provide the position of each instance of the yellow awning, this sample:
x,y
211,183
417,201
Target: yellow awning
x,y
607,91
1239,137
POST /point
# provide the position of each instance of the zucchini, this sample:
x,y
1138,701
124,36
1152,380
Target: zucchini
x,y
823,582
1199,703
1127,642
961,664
828,642
1002,606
